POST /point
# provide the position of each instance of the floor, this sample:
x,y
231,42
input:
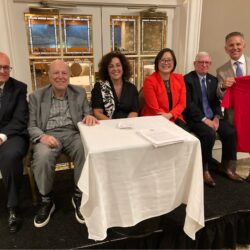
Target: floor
x,y
243,167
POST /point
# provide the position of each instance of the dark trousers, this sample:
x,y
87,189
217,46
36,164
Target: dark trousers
x,y
207,138
12,152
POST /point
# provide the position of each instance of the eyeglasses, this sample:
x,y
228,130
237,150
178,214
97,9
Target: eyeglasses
x,y
203,62
165,61
5,68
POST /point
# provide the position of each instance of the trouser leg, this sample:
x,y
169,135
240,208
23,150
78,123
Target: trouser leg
x,y
12,152
228,139
207,138
44,161
74,148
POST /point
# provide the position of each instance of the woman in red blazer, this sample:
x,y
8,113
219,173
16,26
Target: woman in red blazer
x,y
165,91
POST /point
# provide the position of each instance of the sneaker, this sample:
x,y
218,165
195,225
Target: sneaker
x,y
76,202
43,214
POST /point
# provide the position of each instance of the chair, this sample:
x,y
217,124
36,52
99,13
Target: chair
x,y
27,161
141,100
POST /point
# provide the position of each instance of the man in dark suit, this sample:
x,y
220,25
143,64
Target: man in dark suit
x,y
203,115
55,111
13,136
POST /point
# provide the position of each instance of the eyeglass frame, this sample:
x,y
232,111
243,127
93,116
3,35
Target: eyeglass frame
x,y
166,61
5,68
204,62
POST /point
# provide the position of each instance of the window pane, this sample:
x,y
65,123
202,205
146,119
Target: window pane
x,y
77,35
147,68
82,74
39,71
43,34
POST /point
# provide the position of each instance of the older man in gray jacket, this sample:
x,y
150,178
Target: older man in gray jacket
x,y
55,111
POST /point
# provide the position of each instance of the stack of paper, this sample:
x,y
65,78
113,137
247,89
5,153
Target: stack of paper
x,y
160,137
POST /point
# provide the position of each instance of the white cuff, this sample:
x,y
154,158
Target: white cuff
x,y
3,137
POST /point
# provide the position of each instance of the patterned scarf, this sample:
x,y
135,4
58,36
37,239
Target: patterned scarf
x,y
108,98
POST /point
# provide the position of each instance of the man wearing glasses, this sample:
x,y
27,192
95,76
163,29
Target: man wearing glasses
x,y
13,136
204,117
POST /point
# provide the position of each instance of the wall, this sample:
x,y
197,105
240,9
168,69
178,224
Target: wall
x,y
220,17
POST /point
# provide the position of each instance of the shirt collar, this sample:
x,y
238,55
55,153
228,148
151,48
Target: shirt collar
x,y
2,86
201,77
241,60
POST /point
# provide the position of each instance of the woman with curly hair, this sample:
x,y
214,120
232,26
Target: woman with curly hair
x,y
114,96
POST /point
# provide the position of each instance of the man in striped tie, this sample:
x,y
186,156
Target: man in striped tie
x,y
238,65
204,117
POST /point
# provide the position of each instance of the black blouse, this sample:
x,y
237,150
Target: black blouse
x,y
127,103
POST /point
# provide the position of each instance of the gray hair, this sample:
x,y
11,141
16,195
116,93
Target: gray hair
x,y
202,53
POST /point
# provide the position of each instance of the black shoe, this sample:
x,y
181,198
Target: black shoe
x,y
43,215
13,220
76,202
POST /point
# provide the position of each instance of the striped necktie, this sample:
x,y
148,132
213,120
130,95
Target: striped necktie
x,y
206,107
1,94
238,71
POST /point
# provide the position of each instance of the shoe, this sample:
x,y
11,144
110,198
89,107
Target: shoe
x,y
13,220
76,202
230,174
228,168
207,178
43,215
233,176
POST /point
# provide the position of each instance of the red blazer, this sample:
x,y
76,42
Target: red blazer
x,y
156,98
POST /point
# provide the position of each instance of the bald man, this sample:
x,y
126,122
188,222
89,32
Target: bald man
x,y
55,111
13,136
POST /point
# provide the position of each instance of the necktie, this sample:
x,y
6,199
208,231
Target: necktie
x,y
1,94
206,108
238,69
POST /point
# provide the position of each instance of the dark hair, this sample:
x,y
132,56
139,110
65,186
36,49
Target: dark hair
x,y
160,55
105,61
235,33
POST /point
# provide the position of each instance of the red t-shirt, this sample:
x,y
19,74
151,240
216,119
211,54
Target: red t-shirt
x,y
238,98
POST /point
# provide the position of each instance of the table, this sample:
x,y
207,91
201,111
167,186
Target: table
x,y
126,180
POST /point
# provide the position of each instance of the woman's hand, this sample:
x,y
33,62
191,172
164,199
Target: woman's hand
x,y
166,115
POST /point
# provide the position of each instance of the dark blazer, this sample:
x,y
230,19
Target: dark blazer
x,y
14,113
194,109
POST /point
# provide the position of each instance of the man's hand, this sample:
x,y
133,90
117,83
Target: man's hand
x,y
90,120
216,123
50,140
209,123
228,82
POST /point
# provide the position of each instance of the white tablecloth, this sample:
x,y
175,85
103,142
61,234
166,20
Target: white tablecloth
x,y
126,180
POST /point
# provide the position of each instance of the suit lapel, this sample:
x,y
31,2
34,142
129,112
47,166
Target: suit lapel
x,y
45,107
73,106
198,86
5,98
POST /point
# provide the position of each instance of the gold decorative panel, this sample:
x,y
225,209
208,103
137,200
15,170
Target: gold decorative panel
x,y
153,35
124,34
133,65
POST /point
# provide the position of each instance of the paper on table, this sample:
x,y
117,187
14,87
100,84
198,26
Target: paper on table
x,y
160,137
